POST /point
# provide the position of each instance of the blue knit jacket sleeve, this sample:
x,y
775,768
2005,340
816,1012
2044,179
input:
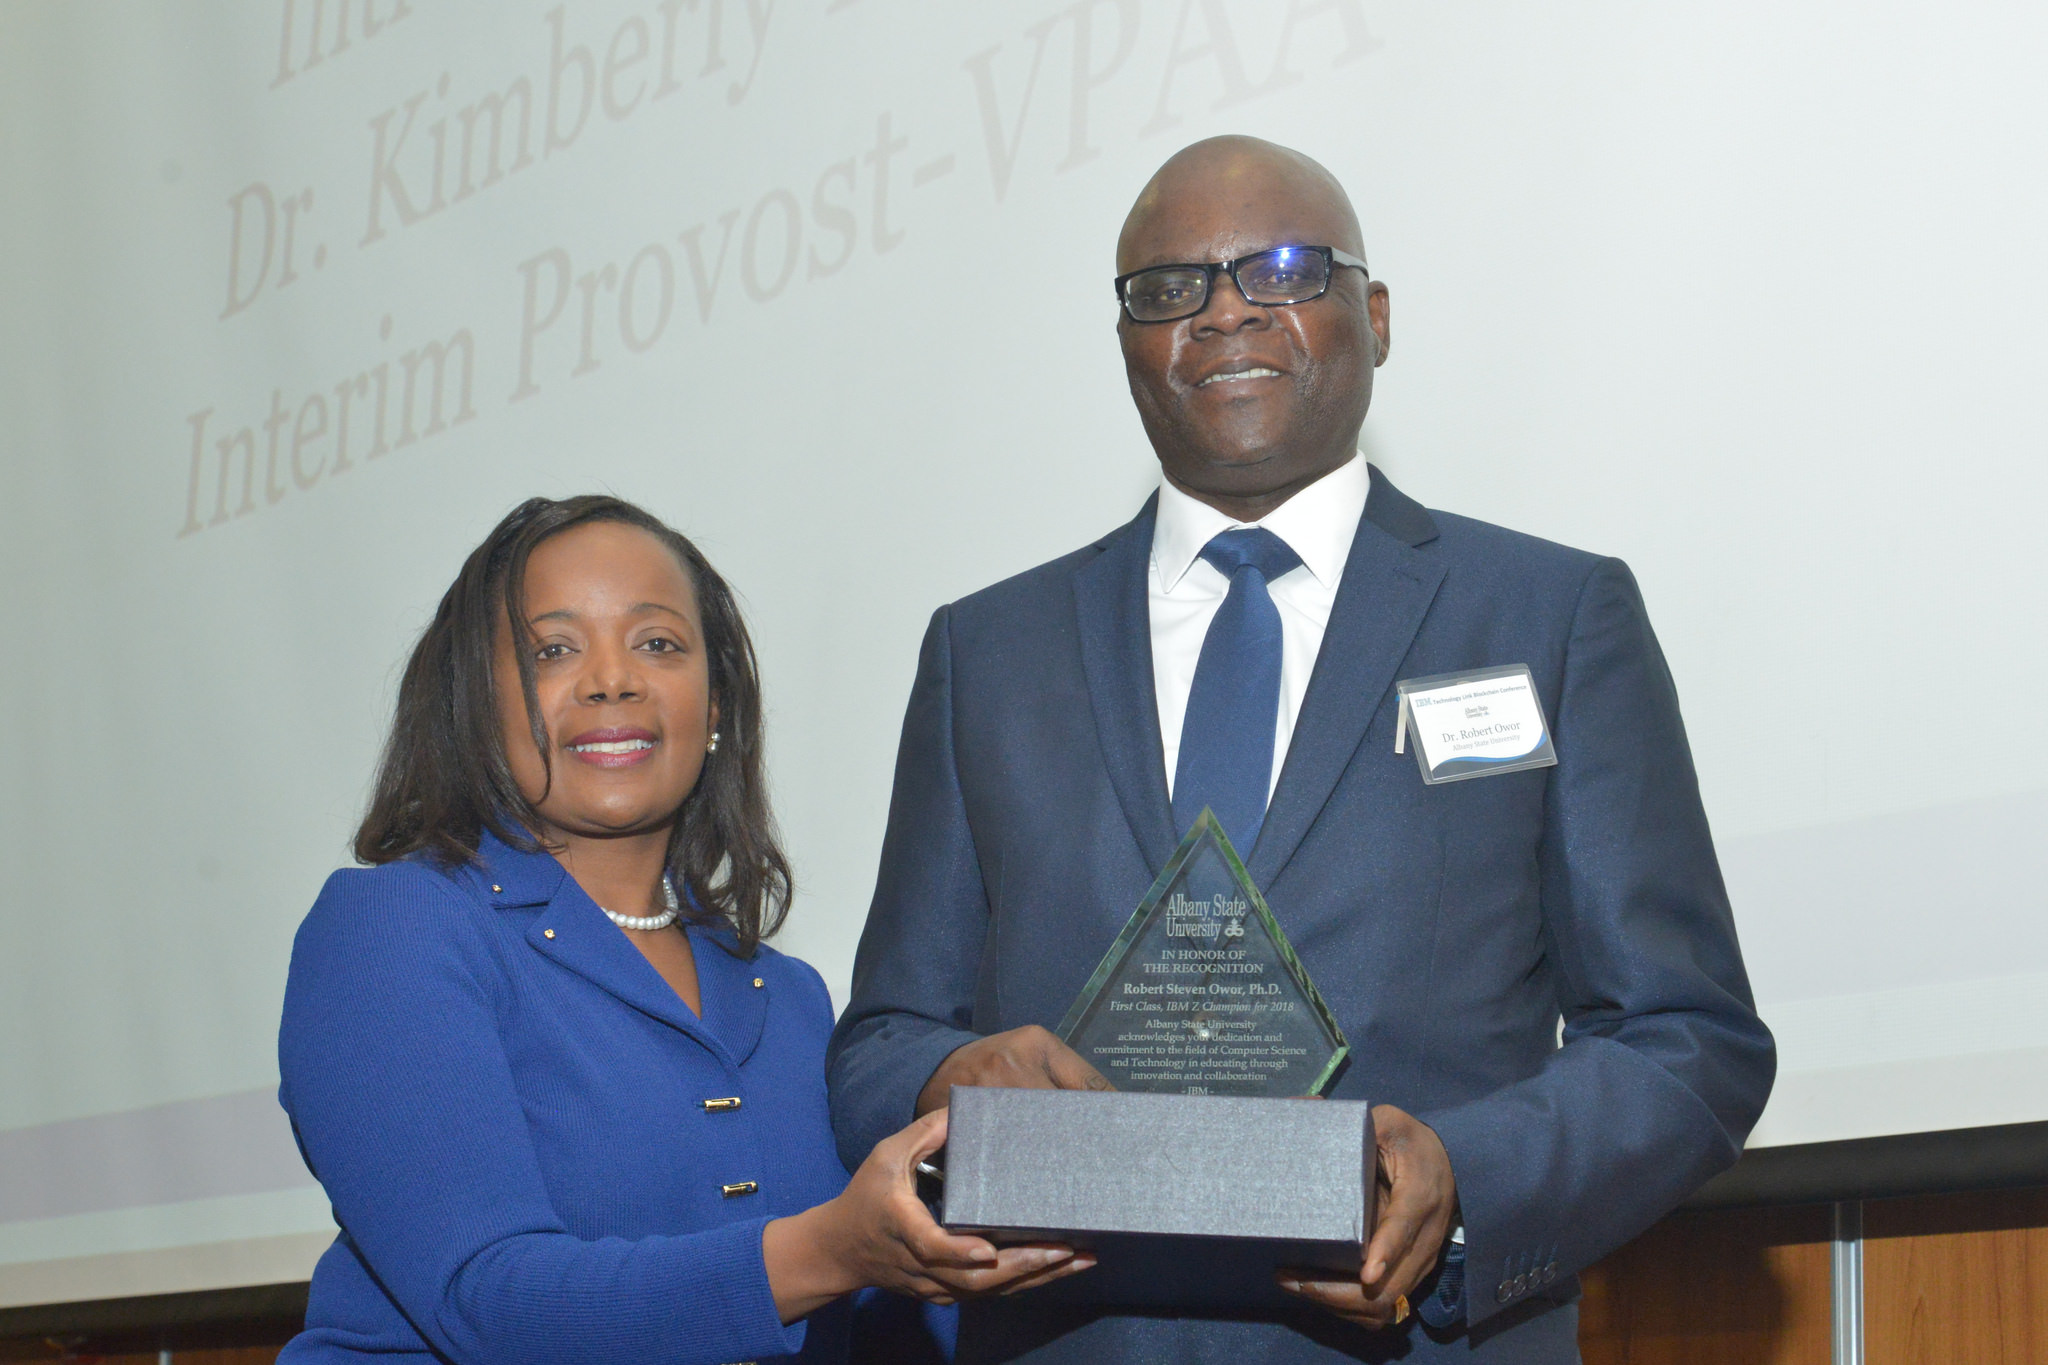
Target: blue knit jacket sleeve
x,y
404,1101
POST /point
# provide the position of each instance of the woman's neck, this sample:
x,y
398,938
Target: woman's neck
x,y
622,873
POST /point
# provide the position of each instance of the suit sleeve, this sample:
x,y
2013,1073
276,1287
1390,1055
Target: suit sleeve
x,y
1664,1066
914,975
405,1106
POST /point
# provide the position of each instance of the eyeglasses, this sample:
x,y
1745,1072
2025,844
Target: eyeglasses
x,y
1270,279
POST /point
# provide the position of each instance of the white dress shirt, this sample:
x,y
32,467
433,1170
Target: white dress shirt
x,y
1185,590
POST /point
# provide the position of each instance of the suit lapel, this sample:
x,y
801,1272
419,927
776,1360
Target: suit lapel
x,y
1116,656
735,1009
1386,590
573,932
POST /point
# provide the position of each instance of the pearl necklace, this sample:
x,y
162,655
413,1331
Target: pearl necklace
x,y
650,922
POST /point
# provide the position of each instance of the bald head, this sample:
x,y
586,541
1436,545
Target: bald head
x,y
1238,178
1248,403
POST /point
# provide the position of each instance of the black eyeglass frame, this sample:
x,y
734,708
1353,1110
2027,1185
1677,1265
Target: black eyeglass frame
x,y
1332,259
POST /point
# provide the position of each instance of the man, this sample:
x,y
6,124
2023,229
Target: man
x,y
1067,725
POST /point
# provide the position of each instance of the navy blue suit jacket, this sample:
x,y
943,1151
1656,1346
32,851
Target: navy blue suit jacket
x,y
1448,927
504,1101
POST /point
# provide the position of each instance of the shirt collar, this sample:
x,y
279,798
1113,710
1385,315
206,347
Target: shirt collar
x,y
1318,523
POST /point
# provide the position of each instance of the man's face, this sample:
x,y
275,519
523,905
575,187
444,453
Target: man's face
x,y
1242,400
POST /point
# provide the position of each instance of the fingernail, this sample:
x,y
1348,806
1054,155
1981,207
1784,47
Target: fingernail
x,y
984,1253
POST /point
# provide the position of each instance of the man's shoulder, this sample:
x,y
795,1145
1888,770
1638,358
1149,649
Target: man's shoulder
x,y
1500,552
1466,543
1503,550
1047,584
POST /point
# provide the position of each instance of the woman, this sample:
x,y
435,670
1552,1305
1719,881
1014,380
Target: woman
x,y
565,1103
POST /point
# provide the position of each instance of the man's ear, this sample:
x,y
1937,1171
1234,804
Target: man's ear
x,y
1377,302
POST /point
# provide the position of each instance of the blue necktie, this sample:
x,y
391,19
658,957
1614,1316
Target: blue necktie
x,y
1226,740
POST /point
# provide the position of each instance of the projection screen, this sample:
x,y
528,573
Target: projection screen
x,y
303,295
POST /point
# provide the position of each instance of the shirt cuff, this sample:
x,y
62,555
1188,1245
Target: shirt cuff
x,y
1444,1305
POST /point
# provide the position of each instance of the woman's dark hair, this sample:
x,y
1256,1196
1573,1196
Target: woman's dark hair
x,y
445,777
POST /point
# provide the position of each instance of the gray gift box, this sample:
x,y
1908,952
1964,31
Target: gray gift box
x,y
1187,1200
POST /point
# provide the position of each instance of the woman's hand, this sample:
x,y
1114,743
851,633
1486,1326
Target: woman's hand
x,y
878,1232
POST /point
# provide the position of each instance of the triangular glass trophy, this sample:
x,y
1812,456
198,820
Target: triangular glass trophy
x,y
1201,993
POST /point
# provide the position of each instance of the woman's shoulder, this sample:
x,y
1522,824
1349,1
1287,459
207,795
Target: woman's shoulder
x,y
399,889
416,901
383,950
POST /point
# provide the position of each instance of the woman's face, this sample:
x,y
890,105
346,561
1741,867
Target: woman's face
x,y
625,688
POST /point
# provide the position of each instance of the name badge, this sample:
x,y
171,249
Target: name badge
x,y
1474,724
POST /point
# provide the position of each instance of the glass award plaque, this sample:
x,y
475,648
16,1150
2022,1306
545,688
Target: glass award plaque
x,y
1201,993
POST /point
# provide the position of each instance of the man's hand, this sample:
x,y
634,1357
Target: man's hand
x,y
1028,1058
1418,1201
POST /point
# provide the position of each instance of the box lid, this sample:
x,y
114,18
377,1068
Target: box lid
x,y
1067,1162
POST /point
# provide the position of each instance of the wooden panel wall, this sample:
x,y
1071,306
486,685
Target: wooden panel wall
x,y
1957,1280
230,1344
1948,1280
1742,1287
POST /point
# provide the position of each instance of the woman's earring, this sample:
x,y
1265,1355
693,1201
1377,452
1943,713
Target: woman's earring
x,y
712,747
